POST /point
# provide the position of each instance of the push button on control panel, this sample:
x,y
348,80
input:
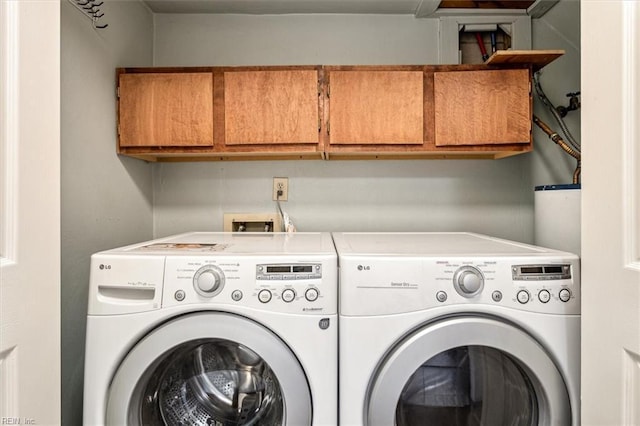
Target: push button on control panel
x,y
288,295
523,296
236,295
441,296
544,296
264,296
564,295
311,294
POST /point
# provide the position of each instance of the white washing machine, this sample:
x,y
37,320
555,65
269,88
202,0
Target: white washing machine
x,y
214,329
456,329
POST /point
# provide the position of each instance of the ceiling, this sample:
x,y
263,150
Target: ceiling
x,y
419,8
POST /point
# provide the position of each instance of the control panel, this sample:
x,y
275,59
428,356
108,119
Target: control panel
x,y
531,286
543,284
294,287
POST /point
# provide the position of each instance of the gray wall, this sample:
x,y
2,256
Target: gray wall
x,y
106,200
187,40
493,197
408,195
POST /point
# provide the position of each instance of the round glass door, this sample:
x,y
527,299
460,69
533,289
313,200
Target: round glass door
x,y
211,382
467,371
468,386
207,369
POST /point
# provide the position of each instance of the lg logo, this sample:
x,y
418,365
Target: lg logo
x,y
364,268
103,266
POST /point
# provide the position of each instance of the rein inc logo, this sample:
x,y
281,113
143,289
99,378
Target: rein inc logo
x,y
17,421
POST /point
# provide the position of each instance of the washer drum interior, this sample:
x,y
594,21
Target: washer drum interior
x,y
212,382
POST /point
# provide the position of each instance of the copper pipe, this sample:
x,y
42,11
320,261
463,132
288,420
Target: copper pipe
x,y
576,173
560,142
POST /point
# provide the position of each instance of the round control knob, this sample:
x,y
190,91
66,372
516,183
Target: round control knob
x,y
468,281
311,294
208,281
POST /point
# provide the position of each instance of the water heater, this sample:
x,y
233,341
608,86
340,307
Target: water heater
x,y
557,217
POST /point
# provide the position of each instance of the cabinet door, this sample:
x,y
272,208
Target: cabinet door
x,y
266,107
376,107
489,107
165,109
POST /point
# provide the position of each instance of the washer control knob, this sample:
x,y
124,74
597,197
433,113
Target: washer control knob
x,y
523,296
311,294
208,281
564,295
441,296
468,281
288,295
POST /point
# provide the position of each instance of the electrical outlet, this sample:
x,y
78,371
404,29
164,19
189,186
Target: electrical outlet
x,y
280,189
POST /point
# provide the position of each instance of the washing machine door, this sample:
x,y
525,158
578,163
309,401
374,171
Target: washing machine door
x,y
210,369
468,371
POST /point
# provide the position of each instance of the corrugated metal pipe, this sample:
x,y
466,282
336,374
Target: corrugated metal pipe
x,y
554,111
555,137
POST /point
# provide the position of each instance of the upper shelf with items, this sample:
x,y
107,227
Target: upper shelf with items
x,y
306,112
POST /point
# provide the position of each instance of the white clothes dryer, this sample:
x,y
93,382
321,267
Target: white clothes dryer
x,y
456,329
214,329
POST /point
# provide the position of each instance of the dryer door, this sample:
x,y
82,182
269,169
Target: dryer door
x,y
468,371
210,369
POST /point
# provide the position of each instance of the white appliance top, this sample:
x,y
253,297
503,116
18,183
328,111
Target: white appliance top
x,y
440,244
227,243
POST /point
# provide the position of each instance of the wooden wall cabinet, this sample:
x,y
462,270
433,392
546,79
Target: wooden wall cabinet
x,y
165,109
351,112
220,113
271,107
490,107
375,106
440,111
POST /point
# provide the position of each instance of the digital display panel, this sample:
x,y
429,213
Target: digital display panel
x,y
531,270
278,269
290,273
541,272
